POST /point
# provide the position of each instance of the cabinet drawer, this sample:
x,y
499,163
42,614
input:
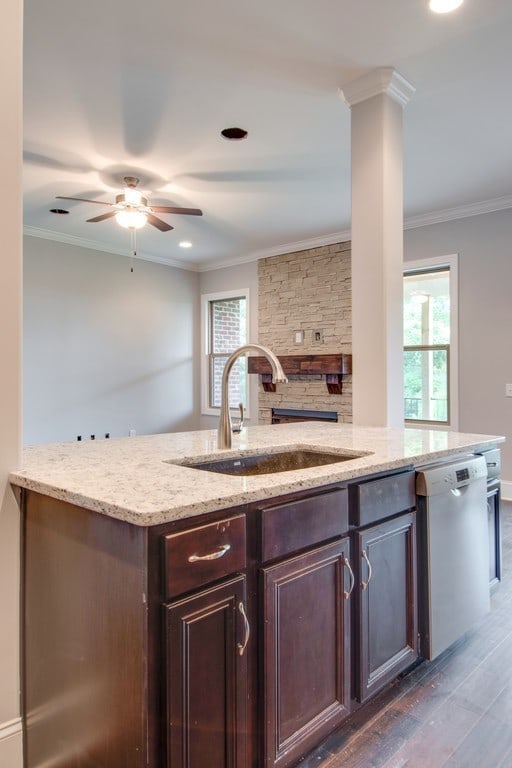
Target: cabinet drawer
x,y
196,557
377,499
286,528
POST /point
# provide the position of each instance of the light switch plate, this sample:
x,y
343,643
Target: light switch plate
x,y
508,390
317,336
298,337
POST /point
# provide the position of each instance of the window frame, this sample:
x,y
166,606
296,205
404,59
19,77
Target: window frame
x,y
449,262
206,340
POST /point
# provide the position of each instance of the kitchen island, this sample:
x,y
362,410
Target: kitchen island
x,y
172,615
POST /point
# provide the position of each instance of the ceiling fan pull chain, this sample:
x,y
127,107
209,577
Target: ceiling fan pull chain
x,y
133,234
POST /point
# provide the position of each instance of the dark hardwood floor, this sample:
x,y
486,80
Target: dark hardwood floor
x,y
454,712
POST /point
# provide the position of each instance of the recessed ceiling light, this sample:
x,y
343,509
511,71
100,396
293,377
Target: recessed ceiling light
x,y
185,244
234,134
444,6
58,210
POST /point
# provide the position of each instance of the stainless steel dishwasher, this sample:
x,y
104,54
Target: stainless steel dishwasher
x,y
453,551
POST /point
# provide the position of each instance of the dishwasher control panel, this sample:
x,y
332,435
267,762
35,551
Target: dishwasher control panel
x,y
462,474
442,477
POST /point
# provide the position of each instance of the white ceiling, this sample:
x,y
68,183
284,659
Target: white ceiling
x,y
144,88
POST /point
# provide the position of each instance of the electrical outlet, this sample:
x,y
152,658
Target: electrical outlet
x,y
508,390
317,336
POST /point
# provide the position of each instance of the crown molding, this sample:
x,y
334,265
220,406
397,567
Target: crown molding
x,y
82,242
411,222
278,250
460,212
382,80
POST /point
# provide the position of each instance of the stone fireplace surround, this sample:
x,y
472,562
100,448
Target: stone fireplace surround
x,y
307,291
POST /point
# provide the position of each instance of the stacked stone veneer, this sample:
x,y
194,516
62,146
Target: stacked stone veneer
x,y
306,291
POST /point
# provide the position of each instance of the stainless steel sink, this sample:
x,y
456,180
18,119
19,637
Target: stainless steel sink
x,y
270,463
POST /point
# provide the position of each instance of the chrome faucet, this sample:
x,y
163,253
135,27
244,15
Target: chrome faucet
x,y
278,377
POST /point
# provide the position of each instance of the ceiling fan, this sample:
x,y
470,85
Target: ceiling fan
x,y
131,209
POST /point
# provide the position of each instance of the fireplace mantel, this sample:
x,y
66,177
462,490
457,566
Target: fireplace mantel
x,y
333,367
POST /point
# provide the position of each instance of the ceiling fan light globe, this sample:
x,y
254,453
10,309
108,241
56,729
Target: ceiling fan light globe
x,y
131,219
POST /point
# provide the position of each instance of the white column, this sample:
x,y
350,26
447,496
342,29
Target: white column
x,y
376,101
10,378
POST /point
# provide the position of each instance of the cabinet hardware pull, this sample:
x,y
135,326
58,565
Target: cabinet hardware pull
x,y
247,629
364,584
212,555
346,562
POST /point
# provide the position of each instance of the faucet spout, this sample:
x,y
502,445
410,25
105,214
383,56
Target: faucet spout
x,y
278,377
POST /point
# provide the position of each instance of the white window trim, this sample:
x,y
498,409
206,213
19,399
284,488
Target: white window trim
x,y
206,409
450,261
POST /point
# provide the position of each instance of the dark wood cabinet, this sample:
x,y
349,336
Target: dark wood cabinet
x,y
306,642
206,639
386,637
385,608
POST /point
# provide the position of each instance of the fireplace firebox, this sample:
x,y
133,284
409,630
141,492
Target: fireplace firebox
x,y
289,415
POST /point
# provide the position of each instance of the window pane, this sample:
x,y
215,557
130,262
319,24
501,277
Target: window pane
x,y
426,384
237,381
228,324
427,308
228,330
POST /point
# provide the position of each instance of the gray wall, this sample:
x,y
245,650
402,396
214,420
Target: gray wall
x,y
106,350
229,279
484,245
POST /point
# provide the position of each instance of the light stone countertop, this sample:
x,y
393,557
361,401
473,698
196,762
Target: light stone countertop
x,y
131,478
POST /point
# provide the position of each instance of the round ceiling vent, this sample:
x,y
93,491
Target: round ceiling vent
x,y
234,134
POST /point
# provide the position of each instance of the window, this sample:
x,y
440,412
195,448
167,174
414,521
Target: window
x,y
429,332
224,329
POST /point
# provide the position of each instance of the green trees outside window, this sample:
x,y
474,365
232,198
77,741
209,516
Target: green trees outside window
x,y
427,346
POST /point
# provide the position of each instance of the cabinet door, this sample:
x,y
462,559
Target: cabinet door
x,y
206,638
305,651
387,604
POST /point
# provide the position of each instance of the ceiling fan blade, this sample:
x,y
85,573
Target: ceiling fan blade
x,y
159,224
103,216
82,200
174,209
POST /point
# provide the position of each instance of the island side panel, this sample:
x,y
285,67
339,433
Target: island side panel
x,y
84,641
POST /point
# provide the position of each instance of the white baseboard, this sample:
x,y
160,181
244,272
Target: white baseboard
x,y
506,490
11,743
